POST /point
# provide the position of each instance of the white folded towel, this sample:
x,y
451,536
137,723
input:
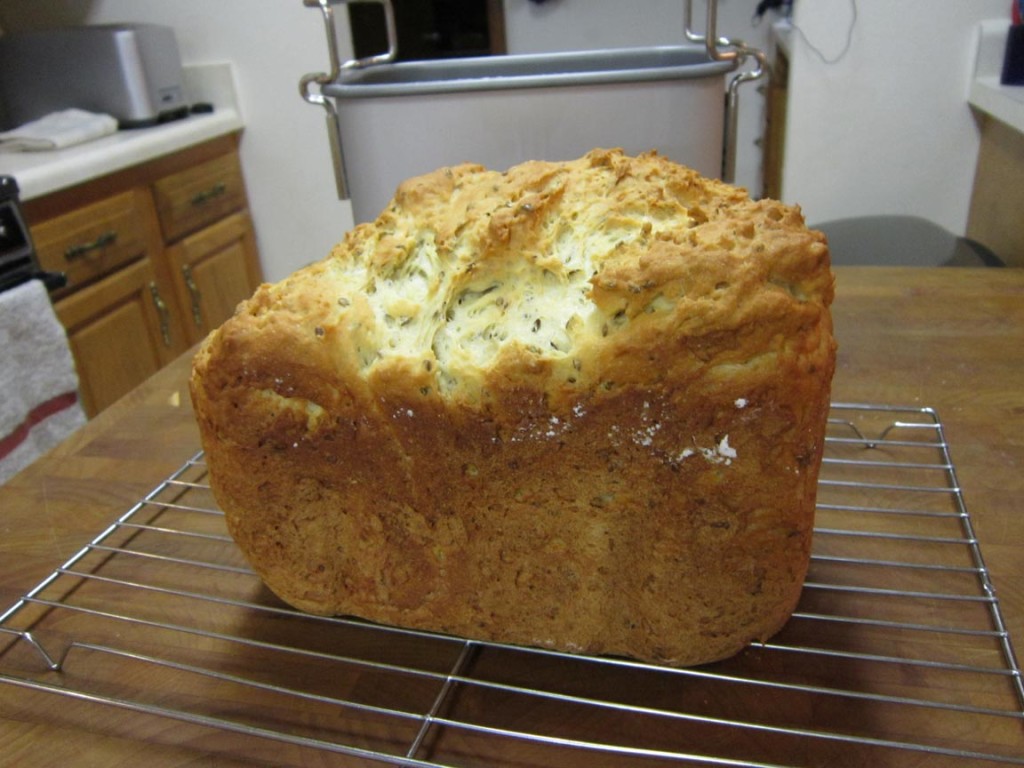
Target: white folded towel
x,y
58,130
38,384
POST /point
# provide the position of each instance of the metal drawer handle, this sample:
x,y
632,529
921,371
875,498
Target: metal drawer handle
x,y
165,315
83,249
206,195
194,295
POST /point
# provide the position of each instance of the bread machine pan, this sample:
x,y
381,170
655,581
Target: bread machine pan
x,y
391,120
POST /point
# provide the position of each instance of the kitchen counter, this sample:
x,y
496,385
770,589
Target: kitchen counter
x,y
1003,102
40,173
997,196
948,338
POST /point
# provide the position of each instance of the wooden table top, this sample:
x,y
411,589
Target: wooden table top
x,y
951,339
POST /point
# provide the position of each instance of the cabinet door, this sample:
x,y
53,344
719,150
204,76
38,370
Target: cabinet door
x,y
120,334
214,270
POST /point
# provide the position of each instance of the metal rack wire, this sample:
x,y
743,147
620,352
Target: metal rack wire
x,y
897,655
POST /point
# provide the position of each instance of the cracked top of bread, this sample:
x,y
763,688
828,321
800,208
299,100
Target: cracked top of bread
x,y
564,277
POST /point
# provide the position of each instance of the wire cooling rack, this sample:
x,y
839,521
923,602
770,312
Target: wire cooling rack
x,y
897,654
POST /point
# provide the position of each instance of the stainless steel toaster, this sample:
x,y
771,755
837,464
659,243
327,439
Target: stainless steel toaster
x,y
129,71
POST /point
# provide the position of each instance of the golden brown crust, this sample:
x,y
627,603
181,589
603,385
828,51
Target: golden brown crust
x,y
578,405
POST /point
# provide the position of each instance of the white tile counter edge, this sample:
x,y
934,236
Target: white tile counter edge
x,y
1003,102
781,36
40,173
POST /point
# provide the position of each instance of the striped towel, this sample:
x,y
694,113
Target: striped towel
x,y
38,384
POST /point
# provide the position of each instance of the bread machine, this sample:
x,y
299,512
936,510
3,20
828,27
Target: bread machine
x,y
129,71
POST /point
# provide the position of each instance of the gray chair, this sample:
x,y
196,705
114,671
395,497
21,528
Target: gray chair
x,y
902,241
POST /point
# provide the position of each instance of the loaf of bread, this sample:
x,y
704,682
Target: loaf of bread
x,y
578,405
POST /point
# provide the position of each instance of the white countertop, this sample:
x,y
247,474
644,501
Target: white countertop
x,y
1003,102
781,35
39,173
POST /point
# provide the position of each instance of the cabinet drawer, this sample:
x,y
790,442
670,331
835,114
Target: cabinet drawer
x,y
197,196
91,241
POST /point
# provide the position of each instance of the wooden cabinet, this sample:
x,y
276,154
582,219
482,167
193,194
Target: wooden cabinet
x,y
997,198
213,272
91,241
156,257
776,105
120,334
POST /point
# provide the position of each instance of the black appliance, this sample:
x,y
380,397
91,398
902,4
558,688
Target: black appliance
x,y
18,261
430,29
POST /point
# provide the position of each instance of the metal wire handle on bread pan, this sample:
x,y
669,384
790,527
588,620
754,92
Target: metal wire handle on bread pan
x,y
323,78
719,49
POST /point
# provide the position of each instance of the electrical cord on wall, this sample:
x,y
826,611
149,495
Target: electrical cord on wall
x,y
846,46
786,7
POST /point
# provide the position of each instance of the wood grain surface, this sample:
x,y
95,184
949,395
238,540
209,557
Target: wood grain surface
x,y
948,338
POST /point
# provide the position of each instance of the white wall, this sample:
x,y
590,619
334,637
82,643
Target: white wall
x,y
886,129
285,155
